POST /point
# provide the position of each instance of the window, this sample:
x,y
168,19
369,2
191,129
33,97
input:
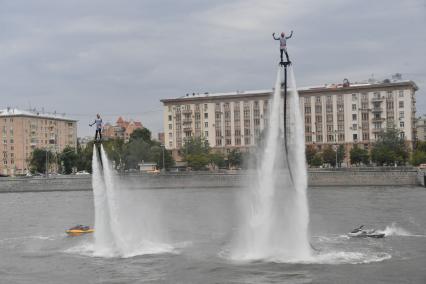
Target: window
x,y
354,97
170,134
308,138
307,100
206,115
401,94
307,119
318,99
307,109
353,106
401,124
401,114
402,134
354,127
170,118
170,126
354,116
355,137
206,124
206,133
401,104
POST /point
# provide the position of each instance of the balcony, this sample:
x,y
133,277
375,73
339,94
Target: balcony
x,y
377,119
377,130
377,109
187,111
377,99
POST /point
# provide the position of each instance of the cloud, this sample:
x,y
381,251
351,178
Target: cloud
x,y
122,57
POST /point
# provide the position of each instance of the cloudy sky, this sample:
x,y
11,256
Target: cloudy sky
x,y
121,57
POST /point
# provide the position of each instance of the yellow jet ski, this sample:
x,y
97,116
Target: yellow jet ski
x,y
79,230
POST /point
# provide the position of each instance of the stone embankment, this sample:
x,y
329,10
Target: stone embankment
x,y
316,178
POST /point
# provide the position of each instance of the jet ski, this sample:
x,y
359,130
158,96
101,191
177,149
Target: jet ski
x,y
79,230
360,232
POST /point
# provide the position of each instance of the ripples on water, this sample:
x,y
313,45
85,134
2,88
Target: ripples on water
x,y
34,249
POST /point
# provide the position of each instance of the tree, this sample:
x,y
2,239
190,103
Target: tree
x,y
157,156
317,160
68,158
39,159
390,149
115,149
196,152
84,157
235,158
217,160
418,157
310,153
359,155
135,152
329,156
340,154
141,133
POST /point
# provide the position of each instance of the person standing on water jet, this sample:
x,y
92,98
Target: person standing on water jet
x,y
283,44
98,122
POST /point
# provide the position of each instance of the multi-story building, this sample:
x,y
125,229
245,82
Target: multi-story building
x,y
421,128
337,113
122,129
23,131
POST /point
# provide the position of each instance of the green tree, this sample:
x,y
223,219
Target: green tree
x,y
389,149
235,158
317,160
217,160
141,133
359,155
116,149
84,157
310,152
157,156
418,157
39,159
135,152
68,159
196,152
340,154
329,156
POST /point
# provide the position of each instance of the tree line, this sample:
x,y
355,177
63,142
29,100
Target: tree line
x,y
124,155
390,149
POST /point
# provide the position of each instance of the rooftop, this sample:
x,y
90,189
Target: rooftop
x,y
302,90
34,113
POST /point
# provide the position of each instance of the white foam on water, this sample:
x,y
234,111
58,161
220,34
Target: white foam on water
x,y
394,230
275,216
123,227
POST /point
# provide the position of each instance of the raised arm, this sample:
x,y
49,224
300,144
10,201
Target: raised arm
x,y
273,35
291,33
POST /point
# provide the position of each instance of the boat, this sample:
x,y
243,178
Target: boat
x,y
360,232
79,230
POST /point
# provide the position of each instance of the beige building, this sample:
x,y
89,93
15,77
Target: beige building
x,y
23,131
421,128
336,113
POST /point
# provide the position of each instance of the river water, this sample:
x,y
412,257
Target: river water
x,y
201,223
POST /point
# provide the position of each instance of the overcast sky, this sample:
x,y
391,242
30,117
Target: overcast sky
x,y
121,57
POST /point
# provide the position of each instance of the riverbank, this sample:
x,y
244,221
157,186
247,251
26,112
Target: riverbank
x,y
316,178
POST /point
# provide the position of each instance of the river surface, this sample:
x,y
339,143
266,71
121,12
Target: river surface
x,y
200,224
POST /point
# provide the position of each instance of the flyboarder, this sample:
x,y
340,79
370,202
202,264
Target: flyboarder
x,y
98,122
283,45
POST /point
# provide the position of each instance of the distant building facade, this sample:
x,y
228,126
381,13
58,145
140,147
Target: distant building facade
x,y
122,129
161,137
24,131
334,114
421,128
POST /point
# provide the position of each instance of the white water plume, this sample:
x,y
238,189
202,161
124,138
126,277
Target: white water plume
x,y
275,213
127,222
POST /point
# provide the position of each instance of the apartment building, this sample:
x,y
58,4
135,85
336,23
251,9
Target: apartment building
x,y
333,114
421,128
121,129
23,131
